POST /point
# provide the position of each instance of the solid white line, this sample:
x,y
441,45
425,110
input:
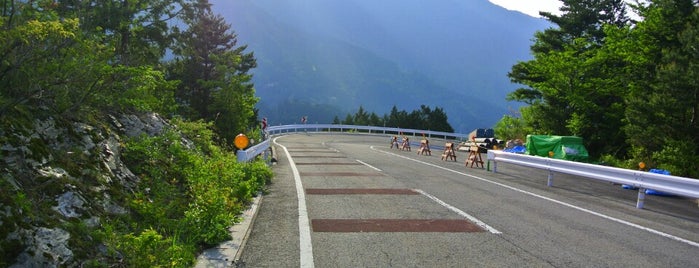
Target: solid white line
x,y
360,161
306,252
631,224
460,212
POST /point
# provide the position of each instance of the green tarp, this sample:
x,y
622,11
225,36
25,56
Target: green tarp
x,y
563,147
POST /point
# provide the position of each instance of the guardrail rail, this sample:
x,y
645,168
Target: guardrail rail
x,y
680,186
261,148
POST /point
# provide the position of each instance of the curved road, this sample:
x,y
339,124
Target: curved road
x,y
351,201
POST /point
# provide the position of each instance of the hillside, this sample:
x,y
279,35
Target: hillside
x,y
127,190
326,58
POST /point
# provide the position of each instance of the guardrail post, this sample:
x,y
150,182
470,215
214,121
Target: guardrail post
x,y
491,157
549,183
641,198
242,155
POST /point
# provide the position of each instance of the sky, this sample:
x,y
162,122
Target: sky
x,y
530,7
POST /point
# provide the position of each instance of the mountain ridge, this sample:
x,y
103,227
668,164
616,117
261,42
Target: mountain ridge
x,y
340,55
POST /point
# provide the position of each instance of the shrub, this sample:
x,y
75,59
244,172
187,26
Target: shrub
x,y
186,197
679,158
151,249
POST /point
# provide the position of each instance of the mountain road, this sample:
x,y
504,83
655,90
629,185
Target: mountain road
x,y
340,200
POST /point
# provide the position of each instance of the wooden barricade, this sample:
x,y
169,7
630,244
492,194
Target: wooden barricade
x,y
474,157
394,142
449,152
406,144
424,147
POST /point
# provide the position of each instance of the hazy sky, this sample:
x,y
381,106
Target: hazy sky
x,y
530,7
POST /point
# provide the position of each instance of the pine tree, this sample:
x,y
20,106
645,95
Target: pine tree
x,y
215,84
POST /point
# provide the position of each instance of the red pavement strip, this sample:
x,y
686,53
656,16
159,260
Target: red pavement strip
x,y
388,225
315,191
385,225
340,174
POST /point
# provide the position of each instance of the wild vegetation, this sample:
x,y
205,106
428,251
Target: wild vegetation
x,y
629,88
83,63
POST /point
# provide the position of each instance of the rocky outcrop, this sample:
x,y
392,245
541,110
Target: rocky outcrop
x,y
45,248
72,166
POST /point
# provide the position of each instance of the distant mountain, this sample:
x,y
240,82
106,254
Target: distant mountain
x,y
325,58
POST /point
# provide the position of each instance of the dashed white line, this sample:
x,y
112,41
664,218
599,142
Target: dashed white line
x,y
460,212
631,224
306,252
360,161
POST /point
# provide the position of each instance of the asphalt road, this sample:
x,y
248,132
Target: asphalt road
x,y
415,208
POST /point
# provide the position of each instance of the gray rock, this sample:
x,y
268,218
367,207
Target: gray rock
x,y
150,124
11,180
5,212
54,173
92,222
87,132
110,154
46,248
70,204
46,129
156,124
111,208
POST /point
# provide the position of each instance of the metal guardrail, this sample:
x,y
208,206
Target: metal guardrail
x,y
274,130
680,186
252,152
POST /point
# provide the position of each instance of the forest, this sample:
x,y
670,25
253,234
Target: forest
x,y
628,86
424,118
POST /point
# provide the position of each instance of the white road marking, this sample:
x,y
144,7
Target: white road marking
x,y
460,212
631,224
360,161
330,148
306,252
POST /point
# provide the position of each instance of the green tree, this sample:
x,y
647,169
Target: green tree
x,y
396,118
423,118
349,120
510,128
663,99
49,64
437,119
215,84
336,120
361,117
580,19
570,89
140,30
375,120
